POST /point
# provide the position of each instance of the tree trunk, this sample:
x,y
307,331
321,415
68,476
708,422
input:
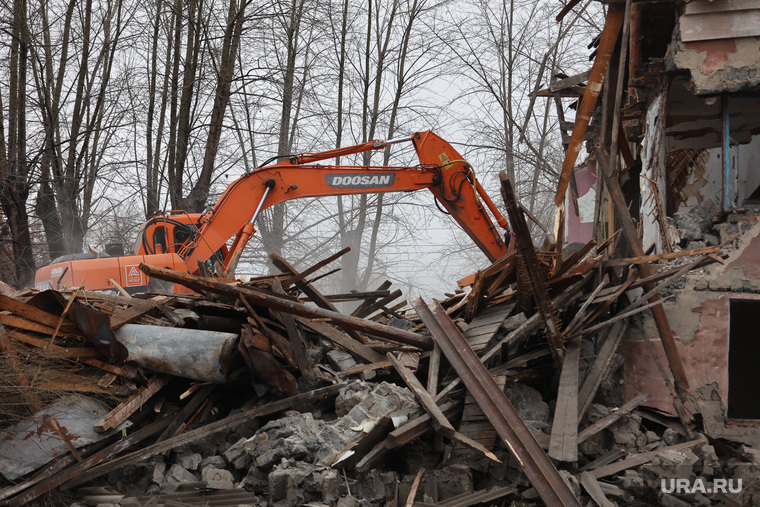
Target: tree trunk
x,y
197,198
14,187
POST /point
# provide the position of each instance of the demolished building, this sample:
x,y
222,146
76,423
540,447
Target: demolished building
x,y
565,376
688,119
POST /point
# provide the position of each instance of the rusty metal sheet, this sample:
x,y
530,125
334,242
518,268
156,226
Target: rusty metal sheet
x,y
34,442
190,353
532,458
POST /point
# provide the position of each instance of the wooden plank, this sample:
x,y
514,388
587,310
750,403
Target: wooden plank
x,y
385,363
132,404
34,314
709,7
607,42
342,340
660,257
591,485
299,401
475,425
75,353
126,371
137,308
475,298
623,315
582,310
310,291
440,423
119,288
355,296
603,460
383,286
563,445
644,457
720,25
201,397
256,297
413,490
433,371
494,269
610,419
569,82
28,325
483,496
524,330
602,362
313,269
296,339
377,305
660,317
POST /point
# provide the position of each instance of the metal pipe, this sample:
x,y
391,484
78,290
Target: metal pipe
x,y
190,353
269,185
398,140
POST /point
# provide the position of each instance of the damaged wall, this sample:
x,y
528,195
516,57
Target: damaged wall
x,y
719,45
652,178
700,314
704,187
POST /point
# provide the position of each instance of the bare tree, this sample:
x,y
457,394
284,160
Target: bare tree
x,y
14,171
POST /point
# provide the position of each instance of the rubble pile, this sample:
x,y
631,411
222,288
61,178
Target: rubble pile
x,y
264,393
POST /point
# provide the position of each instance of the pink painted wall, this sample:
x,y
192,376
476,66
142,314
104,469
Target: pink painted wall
x,y
580,226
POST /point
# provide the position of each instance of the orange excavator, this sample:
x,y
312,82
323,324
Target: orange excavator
x,y
213,241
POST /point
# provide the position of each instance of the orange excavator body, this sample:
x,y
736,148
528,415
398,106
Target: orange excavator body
x,y
204,239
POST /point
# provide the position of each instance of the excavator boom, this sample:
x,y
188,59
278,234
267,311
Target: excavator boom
x,y
442,170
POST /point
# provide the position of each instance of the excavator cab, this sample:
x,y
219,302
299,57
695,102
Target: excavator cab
x,y
171,232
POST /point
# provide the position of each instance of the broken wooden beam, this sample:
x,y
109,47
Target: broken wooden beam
x,y
660,257
527,253
256,297
632,236
599,367
610,419
313,269
531,457
563,445
607,42
296,339
132,404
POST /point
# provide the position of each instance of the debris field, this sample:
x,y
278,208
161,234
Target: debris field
x,y
264,393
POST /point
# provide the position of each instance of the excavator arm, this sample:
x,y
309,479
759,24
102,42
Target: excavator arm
x,y
184,241
442,170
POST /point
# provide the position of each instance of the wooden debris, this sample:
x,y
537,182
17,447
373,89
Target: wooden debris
x,y
120,414
605,422
564,439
